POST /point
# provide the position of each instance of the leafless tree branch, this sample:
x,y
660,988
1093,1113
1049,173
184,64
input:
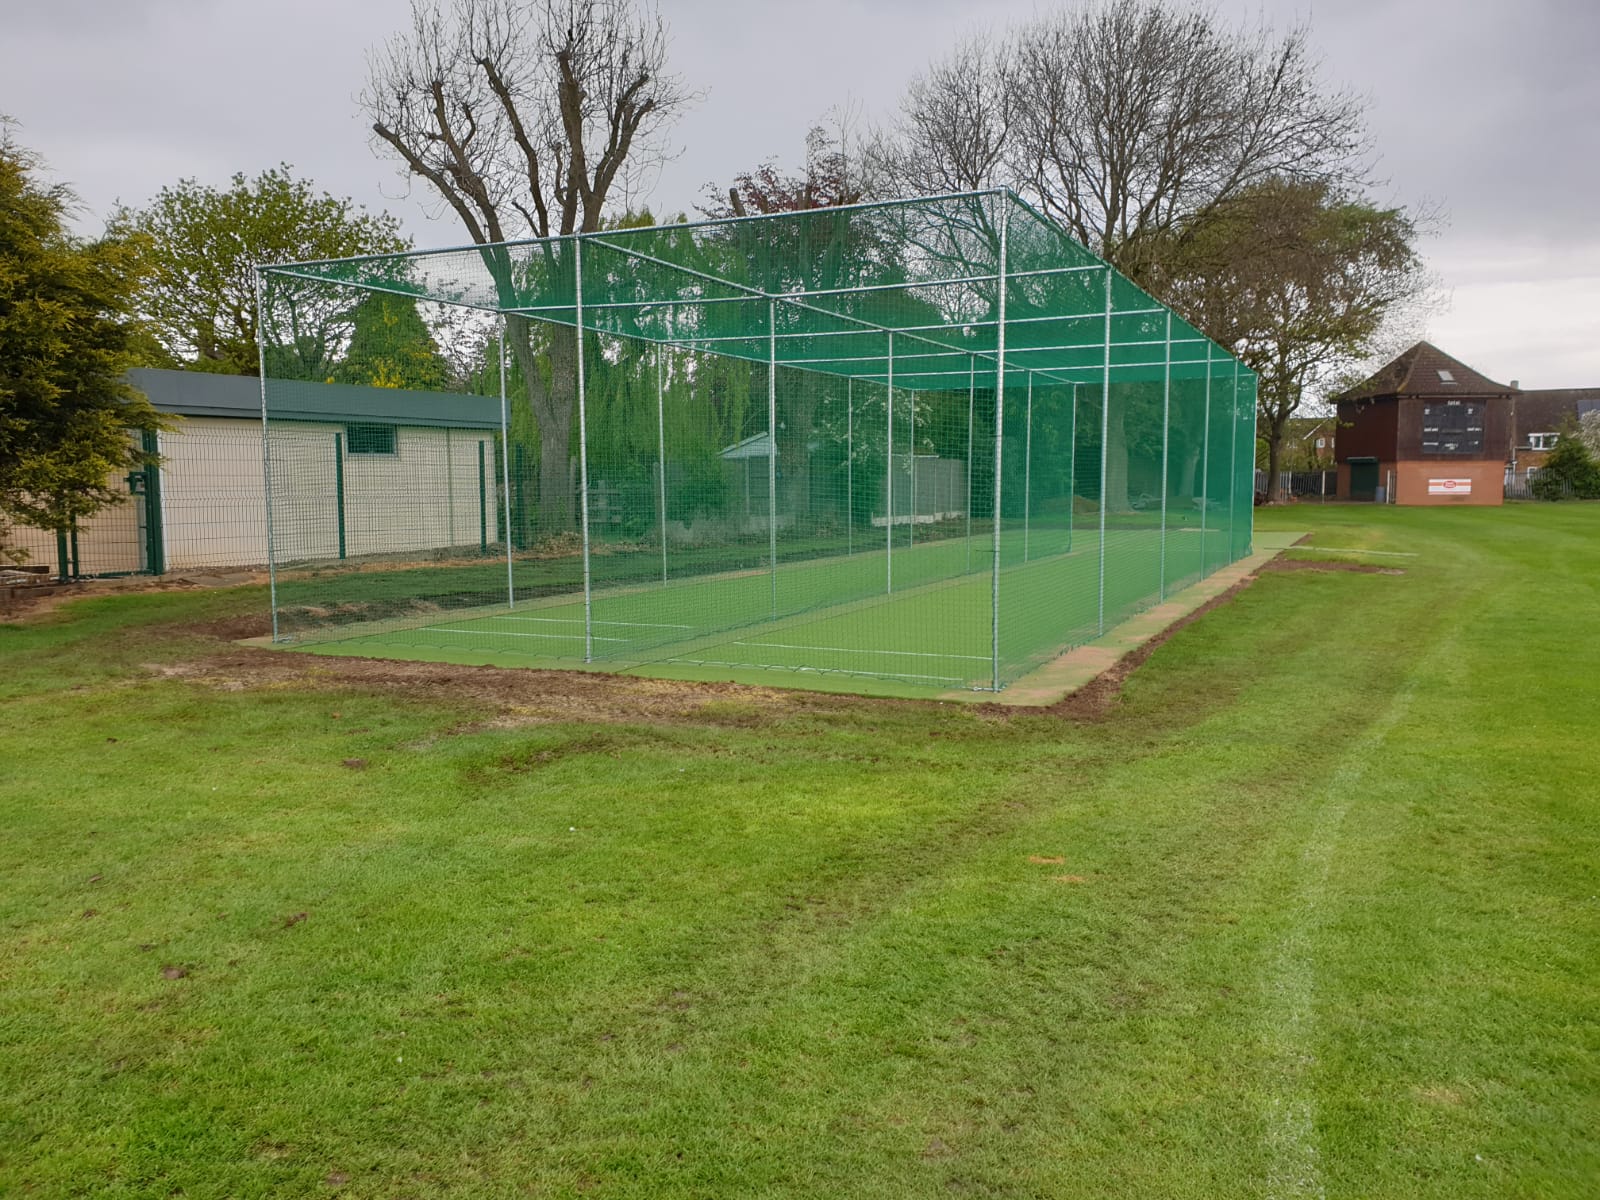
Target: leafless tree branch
x,y
522,116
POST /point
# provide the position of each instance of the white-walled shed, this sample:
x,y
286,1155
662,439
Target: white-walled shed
x,y
369,450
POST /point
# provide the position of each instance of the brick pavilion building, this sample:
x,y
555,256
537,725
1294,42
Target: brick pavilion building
x,y
1425,429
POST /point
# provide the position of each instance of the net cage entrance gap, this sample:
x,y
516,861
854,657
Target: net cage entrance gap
x,y
934,441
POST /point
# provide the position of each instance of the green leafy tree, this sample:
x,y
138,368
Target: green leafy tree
x,y
1299,280
199,300
1569,465
392,347
66,337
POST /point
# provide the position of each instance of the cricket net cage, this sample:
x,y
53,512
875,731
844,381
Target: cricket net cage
x,y
935,441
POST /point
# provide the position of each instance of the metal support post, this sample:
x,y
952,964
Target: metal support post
x,y
1205,464
1233,467
583,455
505,466
1027,470
338,487
483,501
661,459
888,480
911,475
849,467
972,392
266,447
1072,466
772,449
999,438
1105,436
449,486
155,525
1166,432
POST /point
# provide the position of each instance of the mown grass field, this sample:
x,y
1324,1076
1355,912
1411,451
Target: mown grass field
x,y
1310,910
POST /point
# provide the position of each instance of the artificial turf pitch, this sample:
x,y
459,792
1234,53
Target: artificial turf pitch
x,y
834,623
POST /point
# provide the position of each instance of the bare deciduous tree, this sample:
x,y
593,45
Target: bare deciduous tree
x,y
954,125
524,116
1121,119
1136,115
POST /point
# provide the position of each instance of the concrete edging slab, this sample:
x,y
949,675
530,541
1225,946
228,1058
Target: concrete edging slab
x,y
1082,664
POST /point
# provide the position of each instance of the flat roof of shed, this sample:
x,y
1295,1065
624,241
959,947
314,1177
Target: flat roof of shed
x,y
201,394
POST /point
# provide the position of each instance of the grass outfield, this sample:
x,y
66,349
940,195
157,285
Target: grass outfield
x,y
1309,910
933,633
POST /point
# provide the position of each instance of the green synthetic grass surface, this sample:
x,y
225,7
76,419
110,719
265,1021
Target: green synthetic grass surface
x,y
1311,910
931,634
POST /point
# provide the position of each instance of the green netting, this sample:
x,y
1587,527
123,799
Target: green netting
x,y
934,440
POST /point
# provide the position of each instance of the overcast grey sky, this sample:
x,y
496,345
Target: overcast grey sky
x,y
1486,109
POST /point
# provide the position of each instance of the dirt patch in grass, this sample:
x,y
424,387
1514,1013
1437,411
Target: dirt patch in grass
x,y
517,696
1311,564
33,603
232,629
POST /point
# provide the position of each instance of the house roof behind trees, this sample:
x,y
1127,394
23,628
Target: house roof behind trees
x,y
1550,410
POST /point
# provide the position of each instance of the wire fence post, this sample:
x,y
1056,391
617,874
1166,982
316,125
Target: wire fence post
x,y
1205,464
449,487
1166,434
661,459
266,447
849,467
583,453
1105,435
772,449
972,392
338,488
1027,469
999,437
483,502
155,522
505,467
888,480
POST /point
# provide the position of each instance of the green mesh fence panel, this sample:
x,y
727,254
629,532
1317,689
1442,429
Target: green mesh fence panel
x,y
935,441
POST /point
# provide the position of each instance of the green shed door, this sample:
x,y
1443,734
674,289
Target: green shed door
x,y
1363,479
